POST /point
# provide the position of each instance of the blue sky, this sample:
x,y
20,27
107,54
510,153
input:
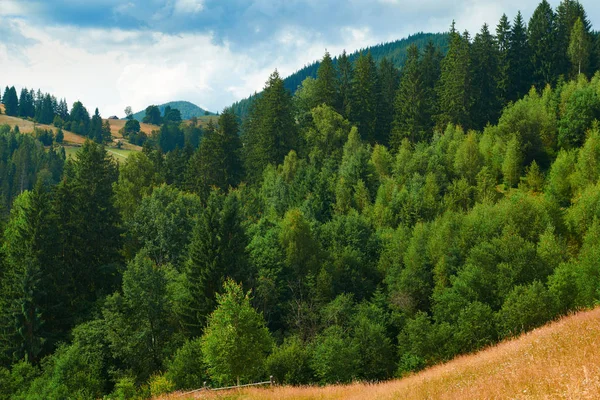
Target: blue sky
x,y
110,53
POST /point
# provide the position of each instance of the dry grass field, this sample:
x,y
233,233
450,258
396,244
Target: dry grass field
x,y
26,126
558,361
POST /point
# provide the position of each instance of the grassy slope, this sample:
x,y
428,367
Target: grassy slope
x,y
26,126
558,361
72,141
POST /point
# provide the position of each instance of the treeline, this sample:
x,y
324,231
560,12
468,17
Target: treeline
x,y
46,109
396,52
24,161
321,240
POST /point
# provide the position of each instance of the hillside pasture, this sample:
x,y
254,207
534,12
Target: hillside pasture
x,y
26,126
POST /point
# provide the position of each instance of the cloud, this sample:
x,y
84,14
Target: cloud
x,y
183,7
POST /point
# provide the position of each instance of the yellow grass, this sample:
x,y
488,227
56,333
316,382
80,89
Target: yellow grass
x,y
558,361
26,126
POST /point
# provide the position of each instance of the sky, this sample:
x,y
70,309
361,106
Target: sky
x,y
116,53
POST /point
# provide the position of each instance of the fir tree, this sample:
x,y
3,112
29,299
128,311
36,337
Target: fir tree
x,y
503,39
344,85
270,130
541,34
326,82
364,101
519,60
485,66
410,119
454,88
388,85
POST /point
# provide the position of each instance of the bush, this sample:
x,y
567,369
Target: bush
x,y
125,389
290,363
335,357
187,369
160,384
525,308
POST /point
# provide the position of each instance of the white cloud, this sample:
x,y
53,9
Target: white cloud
x,y
188,6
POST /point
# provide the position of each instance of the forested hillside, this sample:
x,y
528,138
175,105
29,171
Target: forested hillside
x,y
374,223
396,52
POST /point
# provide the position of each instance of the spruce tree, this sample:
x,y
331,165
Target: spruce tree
x,y
364,100
388,85
454,88
503,39
216,251
270,129
519,60
541,34
486,108
326,82
410,118
10,101
344,85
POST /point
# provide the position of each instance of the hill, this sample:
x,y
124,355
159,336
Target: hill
x,y
559,360
188,110
394,51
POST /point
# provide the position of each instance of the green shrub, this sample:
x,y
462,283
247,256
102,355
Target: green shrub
x,y
290,363
187,369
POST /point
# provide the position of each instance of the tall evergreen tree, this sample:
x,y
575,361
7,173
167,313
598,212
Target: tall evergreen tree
x,y
344,85
26,106
410,118
217,161
217,251
10,101
542,38
454,88
388,85
95,132
364,100
270,129
519,60
503,39
326,82
486,108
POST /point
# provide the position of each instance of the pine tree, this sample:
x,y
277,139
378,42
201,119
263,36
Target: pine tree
x,y
410,118
485,65
364,100
541,35
579,47
519,60
388,85
26,107
95,132
503,39
454,88
217,251
10,101
326,82
344,85
270,129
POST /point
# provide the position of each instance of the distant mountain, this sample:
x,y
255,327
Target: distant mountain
x,y
188,110
394,51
